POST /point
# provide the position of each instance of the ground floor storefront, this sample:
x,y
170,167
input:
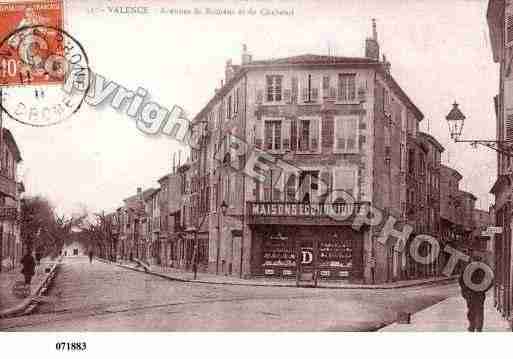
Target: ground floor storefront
x,y
307,252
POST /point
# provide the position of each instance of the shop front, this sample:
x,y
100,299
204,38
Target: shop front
x,y
308,252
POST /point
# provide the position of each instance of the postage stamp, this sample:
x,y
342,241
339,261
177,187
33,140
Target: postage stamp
x,y
19,52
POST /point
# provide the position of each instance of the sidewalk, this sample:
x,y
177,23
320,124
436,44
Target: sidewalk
x,y
8,302
207,278
450,315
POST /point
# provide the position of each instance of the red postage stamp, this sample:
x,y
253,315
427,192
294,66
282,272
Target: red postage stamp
x,y
29,35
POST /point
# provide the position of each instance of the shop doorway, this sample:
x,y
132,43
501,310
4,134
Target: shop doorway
x,y
306,273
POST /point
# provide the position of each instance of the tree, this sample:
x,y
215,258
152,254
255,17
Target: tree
x,y
41,228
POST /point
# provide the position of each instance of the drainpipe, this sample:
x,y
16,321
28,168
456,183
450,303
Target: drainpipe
x,y
244,181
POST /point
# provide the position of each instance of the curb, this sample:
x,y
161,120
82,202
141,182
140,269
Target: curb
x,y
287,285
29,304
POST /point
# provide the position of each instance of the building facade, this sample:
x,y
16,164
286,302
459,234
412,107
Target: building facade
x,y
341,124
11,243
500,20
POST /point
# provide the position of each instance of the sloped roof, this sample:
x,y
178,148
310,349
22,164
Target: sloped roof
x,y
313,59
11,142
452,171
433,140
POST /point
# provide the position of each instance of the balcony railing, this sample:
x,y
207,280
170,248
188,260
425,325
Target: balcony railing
x,y
299,209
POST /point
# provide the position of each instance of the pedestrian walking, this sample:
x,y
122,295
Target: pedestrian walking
x,y
39,255
475,298
29,265
90,256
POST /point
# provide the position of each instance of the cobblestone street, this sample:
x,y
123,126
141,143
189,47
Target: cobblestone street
x,y
105,297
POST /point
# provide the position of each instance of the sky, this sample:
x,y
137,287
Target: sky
x,y
439,52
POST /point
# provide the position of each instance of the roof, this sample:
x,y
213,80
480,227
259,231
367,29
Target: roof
x,y
11,142
468,194
163,178
452,170
148,193
501,181
432,140
311,60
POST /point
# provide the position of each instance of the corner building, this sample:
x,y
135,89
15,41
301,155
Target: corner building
x,y
341,121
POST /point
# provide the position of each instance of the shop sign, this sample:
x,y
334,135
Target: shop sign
x,y
301,209
492,230
343,273
306,256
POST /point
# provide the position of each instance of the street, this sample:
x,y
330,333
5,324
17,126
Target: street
x,y
105,297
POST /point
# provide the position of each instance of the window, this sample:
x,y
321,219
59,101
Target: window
x,y
308,186
411,161
346,87
273,135
274,88
344,179
304,135
346,134
290,188
325,84
229,108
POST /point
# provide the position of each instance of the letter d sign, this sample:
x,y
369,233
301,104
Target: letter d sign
x,y
306,257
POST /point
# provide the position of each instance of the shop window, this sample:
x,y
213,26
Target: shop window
x,y
279,255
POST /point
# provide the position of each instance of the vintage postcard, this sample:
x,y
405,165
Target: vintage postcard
x,y
255,166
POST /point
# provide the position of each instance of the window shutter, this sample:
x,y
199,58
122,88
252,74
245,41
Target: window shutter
x,y
287,95
327,132
259,96
293,134
315,94
509,128
314,134
333,93
294,89
509,30
259,133
340,135
325,185
304,94
267,186
268,135
286,134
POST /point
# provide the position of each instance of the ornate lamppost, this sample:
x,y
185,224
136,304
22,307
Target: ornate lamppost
x,y
456,121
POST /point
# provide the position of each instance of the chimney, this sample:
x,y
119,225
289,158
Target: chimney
x,y
386,64
246,57
228,71
371,44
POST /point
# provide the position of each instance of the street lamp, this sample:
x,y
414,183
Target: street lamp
x,y
456,120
